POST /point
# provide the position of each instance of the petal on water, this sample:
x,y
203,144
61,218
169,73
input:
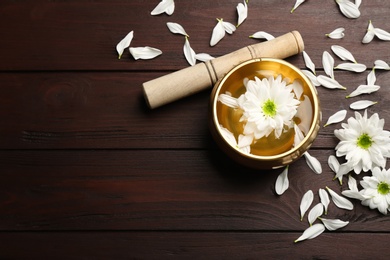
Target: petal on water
x,y
328,64
355,67
330,83
298,137
282,182
380,64
176,28
336,34
308,62
336,117
333,224
340,201
228,100
311,232
313,163
348,9
144,53
242,11
262,35
218,33
362,104
306,201
297,3
364,89
203,57
189,53
315,213
324,197
343,53
124,43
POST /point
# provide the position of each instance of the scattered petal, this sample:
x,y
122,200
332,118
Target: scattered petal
x,y
315,212
349,9
311,232
144,53
218,33
176,28
355,67
336,34
308,62
352,183
306,201
382,34
364,89
324,197
189,53
282,182
262,35
328,64
371,77
165,6
370,34
297,3
229,27
343,53
313,163
203,57
333,224
311,77
358,3
339,201
334,165
124,43
344,169
353,191
336,117
380,64
362,104
242,11
330,83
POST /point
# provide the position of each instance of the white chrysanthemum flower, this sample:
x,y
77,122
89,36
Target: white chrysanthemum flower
x,y
363,142
376,189
269,105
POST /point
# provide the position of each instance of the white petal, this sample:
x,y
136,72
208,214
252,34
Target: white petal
x,y
189,53
229,27
311,232
315,212
364,89
298,137
382,34
352,183
262,35
282,182
343,53
297,3
339,201
167,6
349,9
242,11
369,34
336,34
306,201
308,62
328,64
330,83
144,53
313,163
311,77
344,169
361,104
228,100
333,224
218,33
203,57
297,88
380,64
333,163
358,3
124,43
336,117
324,197
176,28
371,77
355,67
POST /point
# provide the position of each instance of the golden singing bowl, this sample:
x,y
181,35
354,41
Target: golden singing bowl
x,y
268,152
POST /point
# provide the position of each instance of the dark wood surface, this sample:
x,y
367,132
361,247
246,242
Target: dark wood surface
x,y
88,171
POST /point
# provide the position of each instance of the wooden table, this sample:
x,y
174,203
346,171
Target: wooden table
x,y
87,170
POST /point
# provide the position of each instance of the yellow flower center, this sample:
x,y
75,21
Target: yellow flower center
x,y
383,188
364,141
269,108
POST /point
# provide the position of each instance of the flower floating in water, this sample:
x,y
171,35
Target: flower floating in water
x,y
363,142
